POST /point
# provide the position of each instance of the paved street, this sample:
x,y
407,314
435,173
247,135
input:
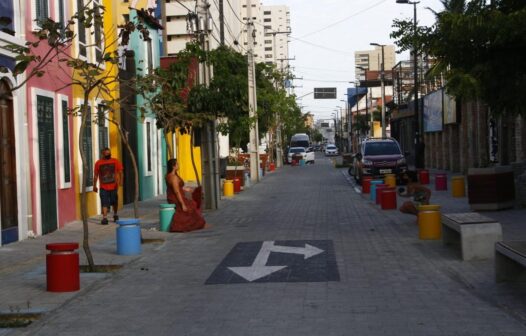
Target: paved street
x,y
340,266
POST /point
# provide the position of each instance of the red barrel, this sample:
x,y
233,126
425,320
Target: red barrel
x,y
237,184
379,189
62,267
440,181
423,176
388,198
366,184
271,167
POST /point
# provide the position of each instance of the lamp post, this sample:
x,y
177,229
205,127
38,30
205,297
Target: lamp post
x,y
347,120
419,162
382,79
335,116
367,121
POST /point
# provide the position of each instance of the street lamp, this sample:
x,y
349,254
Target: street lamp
x,y
335,117
367,121
382,79
347,120
419,162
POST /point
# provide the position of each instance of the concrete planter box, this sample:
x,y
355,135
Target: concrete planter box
x,y
491,188
233,171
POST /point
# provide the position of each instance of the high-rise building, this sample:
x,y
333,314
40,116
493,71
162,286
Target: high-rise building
x,y
178,30
270,24
276,23
372,60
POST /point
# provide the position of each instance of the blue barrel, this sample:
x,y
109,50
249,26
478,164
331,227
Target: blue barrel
x,y
302,162
373,188
128,237
166,212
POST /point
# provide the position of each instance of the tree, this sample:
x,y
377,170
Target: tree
x,y
478,47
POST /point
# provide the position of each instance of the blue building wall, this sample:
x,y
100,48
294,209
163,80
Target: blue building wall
x,y
150,183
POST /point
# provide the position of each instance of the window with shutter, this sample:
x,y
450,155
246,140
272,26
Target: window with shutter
x,y
65,139
41,10
103,128
81,29
87,144
99,28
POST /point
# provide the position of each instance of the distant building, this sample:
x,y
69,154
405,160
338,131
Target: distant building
x,y
372,60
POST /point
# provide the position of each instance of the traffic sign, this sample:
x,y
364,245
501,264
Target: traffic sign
x,y
324,93
278,261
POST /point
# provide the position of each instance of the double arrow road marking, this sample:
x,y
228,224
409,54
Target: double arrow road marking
x,y
259,268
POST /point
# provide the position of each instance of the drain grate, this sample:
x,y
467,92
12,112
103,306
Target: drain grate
x,y
18,320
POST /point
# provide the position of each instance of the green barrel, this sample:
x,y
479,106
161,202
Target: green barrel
x,y
166,213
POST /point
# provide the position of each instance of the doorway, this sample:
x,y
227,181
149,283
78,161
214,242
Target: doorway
x,y
8,192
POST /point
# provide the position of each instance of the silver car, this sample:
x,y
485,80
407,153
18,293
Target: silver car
x,y
306,154
331,150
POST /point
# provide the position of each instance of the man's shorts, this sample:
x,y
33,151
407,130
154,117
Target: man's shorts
x,y
108,197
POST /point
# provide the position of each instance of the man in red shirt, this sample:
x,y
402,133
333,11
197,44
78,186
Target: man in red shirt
x,y
109,172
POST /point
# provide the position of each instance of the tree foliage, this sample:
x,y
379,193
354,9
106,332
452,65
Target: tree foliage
x,y
478,46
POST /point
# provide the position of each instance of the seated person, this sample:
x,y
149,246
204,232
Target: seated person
x,y
421,195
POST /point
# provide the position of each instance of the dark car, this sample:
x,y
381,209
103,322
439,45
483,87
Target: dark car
x,y
377,157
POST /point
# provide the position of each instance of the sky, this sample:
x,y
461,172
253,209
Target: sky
x,y
338,28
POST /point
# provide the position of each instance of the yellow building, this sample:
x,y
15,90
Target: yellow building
x,y
91,45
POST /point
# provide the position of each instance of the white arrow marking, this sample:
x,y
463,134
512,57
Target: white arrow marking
x,y
259,268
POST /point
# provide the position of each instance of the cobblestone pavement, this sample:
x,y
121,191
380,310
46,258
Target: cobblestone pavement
x,y
388,282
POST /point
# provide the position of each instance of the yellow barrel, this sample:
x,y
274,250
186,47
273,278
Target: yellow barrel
x,y
429,224
429,207
390,180
457,186
228,188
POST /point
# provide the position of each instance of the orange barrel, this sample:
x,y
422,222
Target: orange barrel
x,y
237,184
388,198
429,224
423,176
457,186
440,181
271,167
390,179
366,184
228,188
379,188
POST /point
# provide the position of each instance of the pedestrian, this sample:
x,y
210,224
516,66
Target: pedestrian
x,y
421,195
108,171
187,216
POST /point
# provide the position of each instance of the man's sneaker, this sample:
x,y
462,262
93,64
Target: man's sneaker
x,y
115,218
104,221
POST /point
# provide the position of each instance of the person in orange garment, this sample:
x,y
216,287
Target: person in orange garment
x,y
421,195
187,216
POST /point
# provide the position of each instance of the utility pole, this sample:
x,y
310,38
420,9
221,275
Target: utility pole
x,y
279,153
252,98
221,23
382,83
208,145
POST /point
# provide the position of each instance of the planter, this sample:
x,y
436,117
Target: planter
x,y
491,188
233,172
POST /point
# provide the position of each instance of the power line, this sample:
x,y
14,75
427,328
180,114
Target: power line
x,y
344,19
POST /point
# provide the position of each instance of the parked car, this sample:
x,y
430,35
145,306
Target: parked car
x,y
331,150
377,157
306,154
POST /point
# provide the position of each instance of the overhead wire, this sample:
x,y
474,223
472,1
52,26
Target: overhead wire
x,y
344,19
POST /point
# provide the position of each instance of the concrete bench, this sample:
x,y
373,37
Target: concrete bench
x,y
476,234
510,261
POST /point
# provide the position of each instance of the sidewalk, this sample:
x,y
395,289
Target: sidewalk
x,y
387,281
23,264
